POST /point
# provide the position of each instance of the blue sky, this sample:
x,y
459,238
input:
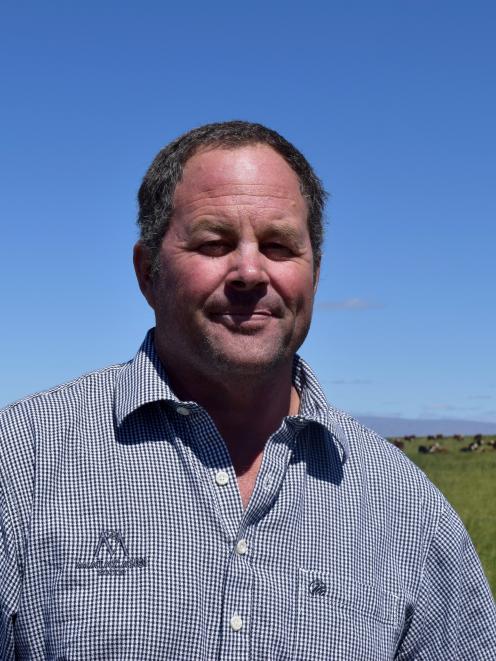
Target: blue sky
x,y
392,102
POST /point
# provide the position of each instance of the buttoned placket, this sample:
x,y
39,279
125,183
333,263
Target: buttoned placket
x,y
219,479
239,611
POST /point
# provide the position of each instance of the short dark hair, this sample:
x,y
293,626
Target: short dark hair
x,y
157,190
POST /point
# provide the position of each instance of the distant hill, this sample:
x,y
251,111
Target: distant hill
x,y
407,426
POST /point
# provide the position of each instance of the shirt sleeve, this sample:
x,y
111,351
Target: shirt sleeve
x,y
455,615
10,580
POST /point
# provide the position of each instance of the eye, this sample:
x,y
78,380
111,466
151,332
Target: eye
x,y
216,248
277,251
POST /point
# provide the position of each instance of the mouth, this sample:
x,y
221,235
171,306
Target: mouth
x,y
239,318
243,313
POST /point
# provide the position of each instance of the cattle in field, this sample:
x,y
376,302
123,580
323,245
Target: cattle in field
x,y
399,444
458,437
431,438
470,448
432,449
437,448
439,436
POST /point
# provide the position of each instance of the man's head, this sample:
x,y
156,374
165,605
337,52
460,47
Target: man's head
x,y
232,281
156,194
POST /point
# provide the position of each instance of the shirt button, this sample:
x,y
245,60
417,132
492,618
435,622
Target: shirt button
x,y
222,478
182,410
241,547
236,622
268,482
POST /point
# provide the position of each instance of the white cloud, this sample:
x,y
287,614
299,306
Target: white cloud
x,y
431,408
480,397
349,304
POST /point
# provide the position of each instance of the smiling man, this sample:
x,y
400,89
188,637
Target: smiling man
x,y
204,501
232,292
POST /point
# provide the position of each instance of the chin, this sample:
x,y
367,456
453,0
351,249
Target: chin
x,y
250,361
248,354
246,369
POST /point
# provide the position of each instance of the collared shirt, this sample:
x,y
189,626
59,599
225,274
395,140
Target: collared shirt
x,y
123,536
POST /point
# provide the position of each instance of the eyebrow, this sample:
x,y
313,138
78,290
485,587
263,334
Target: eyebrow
x,y
208,225
284,230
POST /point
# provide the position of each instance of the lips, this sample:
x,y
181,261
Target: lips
x,y
243,320
244,313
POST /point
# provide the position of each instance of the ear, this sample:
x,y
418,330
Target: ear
x,y
316,277
143,268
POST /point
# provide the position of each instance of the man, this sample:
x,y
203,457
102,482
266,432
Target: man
x,y
203,501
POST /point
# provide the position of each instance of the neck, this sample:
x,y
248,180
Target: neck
x,y
246,409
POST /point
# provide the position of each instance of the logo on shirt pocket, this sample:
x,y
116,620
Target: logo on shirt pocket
x,y
338,617
317,588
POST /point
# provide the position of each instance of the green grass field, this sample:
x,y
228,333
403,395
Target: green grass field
x,y
468,480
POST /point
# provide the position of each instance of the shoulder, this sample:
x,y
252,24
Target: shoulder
x,y
372,451
370,463
24,422
35,426
65,396
392,481
414,518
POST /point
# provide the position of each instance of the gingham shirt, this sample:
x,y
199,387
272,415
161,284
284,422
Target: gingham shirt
x,y
123,536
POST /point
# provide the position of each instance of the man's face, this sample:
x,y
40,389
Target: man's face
x,y
236,282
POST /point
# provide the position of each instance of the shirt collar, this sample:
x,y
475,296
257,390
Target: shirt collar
x,y
143,380
314,407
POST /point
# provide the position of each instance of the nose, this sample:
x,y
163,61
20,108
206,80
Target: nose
x,y
248,269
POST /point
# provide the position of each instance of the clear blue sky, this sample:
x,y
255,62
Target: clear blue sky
x,y
394,103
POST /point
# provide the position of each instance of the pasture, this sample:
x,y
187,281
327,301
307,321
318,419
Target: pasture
x,y
468,481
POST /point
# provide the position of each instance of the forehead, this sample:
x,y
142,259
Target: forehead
x,y
250,171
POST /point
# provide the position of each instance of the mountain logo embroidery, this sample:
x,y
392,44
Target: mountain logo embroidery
x,y
110,544
111,556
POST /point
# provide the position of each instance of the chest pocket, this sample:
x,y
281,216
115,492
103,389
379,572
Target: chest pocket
x,y
125,611
340,619
90,614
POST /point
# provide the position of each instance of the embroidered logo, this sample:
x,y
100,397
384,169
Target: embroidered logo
x,y
317,587
111,556
110,544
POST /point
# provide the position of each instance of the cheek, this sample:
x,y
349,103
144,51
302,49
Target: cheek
x,y
199,278
296,288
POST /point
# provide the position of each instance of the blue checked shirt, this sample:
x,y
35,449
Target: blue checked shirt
x,y
123,536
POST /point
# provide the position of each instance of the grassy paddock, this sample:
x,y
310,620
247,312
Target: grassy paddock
x,y
468,481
